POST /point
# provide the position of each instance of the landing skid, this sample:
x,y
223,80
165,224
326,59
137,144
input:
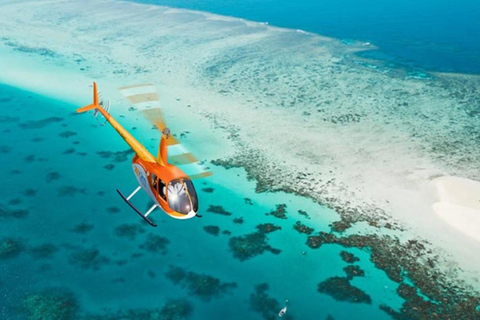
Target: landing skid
x,y
144,216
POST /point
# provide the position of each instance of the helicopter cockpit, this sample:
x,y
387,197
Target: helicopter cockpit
x,y
181,196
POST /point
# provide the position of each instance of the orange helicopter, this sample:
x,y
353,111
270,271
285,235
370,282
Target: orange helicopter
x,y
168,186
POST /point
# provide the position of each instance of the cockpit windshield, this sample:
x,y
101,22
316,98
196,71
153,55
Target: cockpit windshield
x,y
182,196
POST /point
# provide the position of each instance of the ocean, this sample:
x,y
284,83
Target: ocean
x,y
270,112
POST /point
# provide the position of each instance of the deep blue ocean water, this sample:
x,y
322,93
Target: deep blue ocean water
x,y
432,35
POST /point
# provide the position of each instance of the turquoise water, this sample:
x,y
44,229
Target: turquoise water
x,y
428,34
60,208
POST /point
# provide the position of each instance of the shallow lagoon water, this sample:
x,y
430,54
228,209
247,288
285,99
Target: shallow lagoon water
x,y
77,209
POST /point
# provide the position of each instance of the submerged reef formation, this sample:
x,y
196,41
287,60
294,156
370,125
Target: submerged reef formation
x,y
43,251
280,212
205,287
129,231
340,289
10,248
250,245
116,156
155,244
348,257
213,230
353,271
410,262
50,304
302,228
218,210
39,124
266,306
90,259
83,228
6,213
174,309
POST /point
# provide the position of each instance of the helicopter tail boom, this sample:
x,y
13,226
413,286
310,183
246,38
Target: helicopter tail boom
x,y
95,103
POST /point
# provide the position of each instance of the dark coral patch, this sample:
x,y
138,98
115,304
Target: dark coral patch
x,y
218,210
118,156
280,212
30,192
175,309
128,231
83,228
340,289
109,166
340,226
70,191
50,304
43,251
302,228
52,176
69,151
88,259
303,213
267,227
203,286
263,304
176,274
208,190
67,134
113,209
248,201
156,244
14,201
214,230
238,220
39,123
348,257
5,149
10,248
353,271
6,213
30,158
250,245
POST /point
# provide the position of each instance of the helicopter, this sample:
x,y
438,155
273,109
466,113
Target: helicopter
x,y
161,177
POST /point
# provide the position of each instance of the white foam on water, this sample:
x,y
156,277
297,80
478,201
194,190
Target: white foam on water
x,y
364,133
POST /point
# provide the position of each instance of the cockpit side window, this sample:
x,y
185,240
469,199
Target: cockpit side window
x,y
162,189
181,196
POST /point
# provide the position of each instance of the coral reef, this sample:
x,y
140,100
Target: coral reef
x,y
10,248
353,271
203,286
280,211
117,156
250,245
88,259
155,244
263,304
43,251
6,213
50,304
129,231
340,289
83,228
302,228
218,210
348,257
214,230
